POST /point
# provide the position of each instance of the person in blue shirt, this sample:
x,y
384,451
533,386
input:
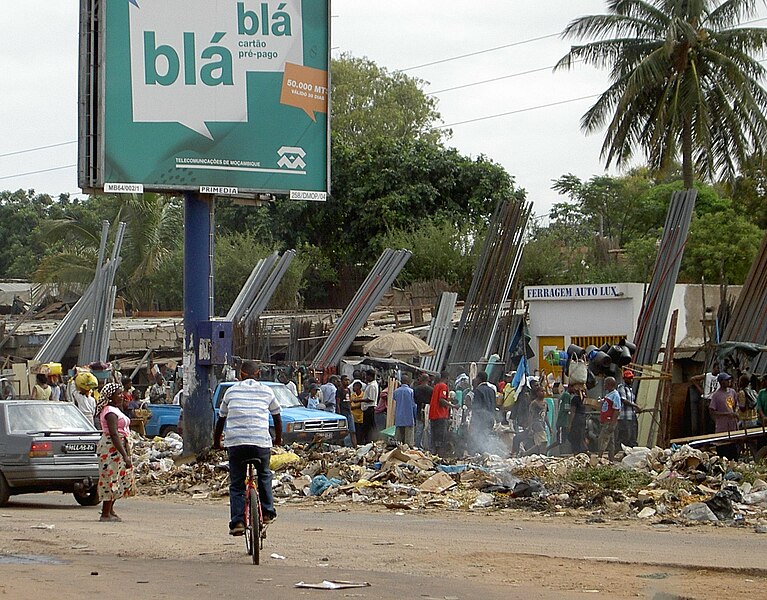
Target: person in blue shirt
x,y
608,417
405,413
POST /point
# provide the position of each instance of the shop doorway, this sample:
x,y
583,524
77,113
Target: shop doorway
x,y
546,345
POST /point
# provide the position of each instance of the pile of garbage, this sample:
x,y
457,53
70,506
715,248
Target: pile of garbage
x,y
160,469
679,485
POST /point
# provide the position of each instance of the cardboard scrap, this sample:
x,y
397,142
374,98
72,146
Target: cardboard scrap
x,y
437,483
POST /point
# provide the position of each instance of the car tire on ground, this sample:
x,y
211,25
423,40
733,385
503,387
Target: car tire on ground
x,y
761,454
5,490
165,430
89,497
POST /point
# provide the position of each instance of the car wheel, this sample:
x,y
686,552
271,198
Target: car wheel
x,y
5,490
164,431
87,497
761,455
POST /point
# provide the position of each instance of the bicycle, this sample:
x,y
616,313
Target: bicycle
x,y
255,529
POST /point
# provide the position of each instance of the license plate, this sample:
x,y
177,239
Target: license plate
x,y
80,448
326,435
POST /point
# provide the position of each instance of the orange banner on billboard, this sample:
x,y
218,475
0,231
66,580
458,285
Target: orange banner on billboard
x,y
305,88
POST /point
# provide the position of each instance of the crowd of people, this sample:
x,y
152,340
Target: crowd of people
x,y
435,412
512,415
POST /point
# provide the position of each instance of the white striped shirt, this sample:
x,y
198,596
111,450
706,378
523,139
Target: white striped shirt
x,y
246,406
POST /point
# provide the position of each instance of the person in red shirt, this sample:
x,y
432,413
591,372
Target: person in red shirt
x,y
439,414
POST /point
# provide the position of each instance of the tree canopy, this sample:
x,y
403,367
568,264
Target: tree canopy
x,y
609,228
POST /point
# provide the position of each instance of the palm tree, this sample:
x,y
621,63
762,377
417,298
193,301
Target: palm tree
x,y
684,80
154,226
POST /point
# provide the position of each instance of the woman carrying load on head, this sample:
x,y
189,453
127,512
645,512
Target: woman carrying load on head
x,y
116,479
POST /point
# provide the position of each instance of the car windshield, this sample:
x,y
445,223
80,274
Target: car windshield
x,y
51,416
284,396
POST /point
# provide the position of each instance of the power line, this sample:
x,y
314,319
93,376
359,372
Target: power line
x,y
37,148
444,60
514,112
527,41
465,85
39,171
458,87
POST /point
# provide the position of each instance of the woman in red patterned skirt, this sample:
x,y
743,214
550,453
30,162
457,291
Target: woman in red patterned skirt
x,y
116,478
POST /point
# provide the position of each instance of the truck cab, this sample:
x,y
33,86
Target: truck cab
x,y
299,424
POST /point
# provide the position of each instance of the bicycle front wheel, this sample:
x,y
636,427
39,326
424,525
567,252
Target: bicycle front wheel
x,y
255,527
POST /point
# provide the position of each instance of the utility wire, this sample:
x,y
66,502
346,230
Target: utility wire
x,y
458,87
465,85
514,112
527,41
452,58
36,172
37,148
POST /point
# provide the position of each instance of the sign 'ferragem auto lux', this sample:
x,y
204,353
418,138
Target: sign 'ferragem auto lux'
x,y
199,95
573,292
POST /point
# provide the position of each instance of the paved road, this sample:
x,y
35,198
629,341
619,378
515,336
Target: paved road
x,y
173,548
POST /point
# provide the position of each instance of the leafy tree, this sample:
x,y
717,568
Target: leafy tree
x,y
21,213
627,214
683,82
235,256
720,248
749,192
440,251
370,102
153,230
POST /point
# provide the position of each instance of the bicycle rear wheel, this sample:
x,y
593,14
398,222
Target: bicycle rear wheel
x,y
255,526
249,539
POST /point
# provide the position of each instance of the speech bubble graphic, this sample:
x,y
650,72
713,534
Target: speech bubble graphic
x,y
190,58
305,88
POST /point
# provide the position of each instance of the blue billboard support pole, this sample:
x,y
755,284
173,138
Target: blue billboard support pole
x,y
198,294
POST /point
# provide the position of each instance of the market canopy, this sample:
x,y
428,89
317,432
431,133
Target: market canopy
x,y
397,344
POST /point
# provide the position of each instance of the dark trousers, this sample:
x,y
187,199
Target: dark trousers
x,y
577,434
368,426
628,429
238,457
439,436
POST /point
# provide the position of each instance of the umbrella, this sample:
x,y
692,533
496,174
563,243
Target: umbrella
x,y
397,344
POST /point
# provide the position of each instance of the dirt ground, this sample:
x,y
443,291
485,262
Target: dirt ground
x,y
171,547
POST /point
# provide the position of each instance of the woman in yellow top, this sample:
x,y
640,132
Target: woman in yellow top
x,y
41,391
356,398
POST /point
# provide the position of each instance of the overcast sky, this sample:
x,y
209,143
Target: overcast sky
x,y
39,82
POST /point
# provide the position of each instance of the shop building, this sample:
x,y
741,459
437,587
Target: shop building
x,y
560,315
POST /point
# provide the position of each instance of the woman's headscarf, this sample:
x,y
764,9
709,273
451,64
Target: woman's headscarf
x,y
107,392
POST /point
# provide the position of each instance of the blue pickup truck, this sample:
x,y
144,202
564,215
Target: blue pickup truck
x,y
299,424
164,420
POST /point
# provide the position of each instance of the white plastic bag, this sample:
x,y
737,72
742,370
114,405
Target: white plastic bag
x,y
578,372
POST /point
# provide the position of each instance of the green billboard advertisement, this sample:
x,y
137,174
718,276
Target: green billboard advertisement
x,y
217,96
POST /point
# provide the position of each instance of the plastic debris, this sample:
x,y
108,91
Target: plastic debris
x,y
698,511
333,585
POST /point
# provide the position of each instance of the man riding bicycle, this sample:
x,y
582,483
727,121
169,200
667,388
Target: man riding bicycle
x,y
244,417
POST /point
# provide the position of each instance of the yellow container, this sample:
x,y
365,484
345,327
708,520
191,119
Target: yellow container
x,y
53,368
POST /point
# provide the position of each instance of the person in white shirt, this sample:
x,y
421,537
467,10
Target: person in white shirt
x,y
287,382
368,406
244,417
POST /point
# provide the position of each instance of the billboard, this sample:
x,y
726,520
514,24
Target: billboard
x,y
217,96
